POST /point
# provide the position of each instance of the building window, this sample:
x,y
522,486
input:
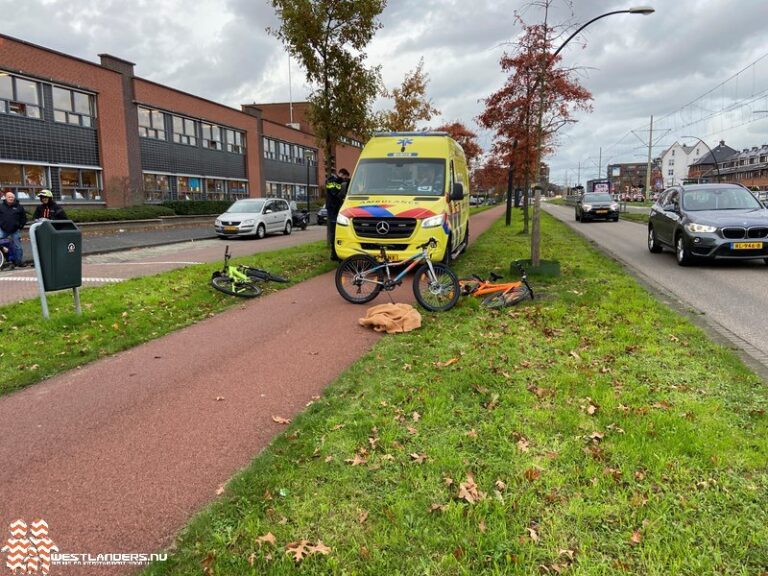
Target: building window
x,y
189,188
670,173
211,136
237,189
235,141
270,148
184,131
72,107
19,96
671,162
151,123
285,152
77,184
215,189
156,188
24,181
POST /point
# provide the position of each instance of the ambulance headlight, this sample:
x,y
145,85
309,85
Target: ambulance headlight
x,y
433,221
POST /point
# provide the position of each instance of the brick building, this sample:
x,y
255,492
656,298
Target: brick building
x,y
97,134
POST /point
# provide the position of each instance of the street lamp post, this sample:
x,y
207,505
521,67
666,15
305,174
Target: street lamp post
x,y
714,158
645,11
308,157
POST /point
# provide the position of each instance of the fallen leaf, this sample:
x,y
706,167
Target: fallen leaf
x,y
523,444
388,457
219,398
328,458
534,535
468,491
320,548
596,436
418,458
411,430
268,538
338,427
281,420
446,363
438,508
362,517
472,433
299,550
220,490
406,366
356,461
532,474
500,486
447,481
207,563
416,416
636,537
482,527
575,355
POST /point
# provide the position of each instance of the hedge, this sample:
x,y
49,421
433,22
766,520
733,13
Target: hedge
x,y
197,207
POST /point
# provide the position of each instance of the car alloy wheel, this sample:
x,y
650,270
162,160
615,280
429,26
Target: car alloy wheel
x,y
653,245
681,252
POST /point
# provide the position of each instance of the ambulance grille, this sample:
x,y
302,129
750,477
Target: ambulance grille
x,y
384,228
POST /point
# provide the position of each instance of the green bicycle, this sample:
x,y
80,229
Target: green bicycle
x,y
241,280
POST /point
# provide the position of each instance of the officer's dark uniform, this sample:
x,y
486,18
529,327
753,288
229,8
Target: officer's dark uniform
x,y
335,191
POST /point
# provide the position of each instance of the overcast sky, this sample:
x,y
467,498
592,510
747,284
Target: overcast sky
x,y
700,67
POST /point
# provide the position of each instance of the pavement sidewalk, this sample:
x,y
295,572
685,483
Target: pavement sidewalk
x,y
117,455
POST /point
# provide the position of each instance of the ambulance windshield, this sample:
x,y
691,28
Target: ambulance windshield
x,y
399,177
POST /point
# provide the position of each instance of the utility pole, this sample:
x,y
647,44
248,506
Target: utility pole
x,y
578,178
600,165
648,166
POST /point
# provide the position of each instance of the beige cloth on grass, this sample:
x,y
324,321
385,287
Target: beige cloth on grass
x,y
392,318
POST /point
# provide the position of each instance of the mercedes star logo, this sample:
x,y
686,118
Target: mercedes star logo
x,y
382,227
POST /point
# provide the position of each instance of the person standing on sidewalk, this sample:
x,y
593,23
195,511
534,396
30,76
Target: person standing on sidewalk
x,y
48,208
13,218
335,191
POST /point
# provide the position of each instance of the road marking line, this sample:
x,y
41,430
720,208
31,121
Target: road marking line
x,y
34,279
137,263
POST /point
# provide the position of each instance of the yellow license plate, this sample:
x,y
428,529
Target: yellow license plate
x,y
601,211
746,245
230,228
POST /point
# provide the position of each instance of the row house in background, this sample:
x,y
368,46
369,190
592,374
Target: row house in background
x,y
748,167
97,134
676,160
706,167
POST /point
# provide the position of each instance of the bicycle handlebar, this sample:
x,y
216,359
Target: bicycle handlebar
x,y
431,242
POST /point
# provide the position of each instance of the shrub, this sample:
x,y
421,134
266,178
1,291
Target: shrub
x,y
110,214
195,207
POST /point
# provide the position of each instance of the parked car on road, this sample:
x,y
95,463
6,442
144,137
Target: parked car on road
x,y
709,221
322,216
255,217
596,206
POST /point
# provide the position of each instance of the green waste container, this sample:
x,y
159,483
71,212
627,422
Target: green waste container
x,y
60,249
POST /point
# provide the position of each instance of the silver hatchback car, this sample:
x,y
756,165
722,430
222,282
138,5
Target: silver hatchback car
x,y
255,217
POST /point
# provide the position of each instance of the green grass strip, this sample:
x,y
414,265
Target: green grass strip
x,y
591,432
119,316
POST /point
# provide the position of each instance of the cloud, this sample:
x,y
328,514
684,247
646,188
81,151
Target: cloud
x,y
635,66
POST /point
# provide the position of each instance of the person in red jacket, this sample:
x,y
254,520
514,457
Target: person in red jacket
x,y
48,209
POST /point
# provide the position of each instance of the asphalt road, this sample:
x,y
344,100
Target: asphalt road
x,y
730,298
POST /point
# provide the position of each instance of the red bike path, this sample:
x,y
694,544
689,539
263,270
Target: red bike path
x,y
117,455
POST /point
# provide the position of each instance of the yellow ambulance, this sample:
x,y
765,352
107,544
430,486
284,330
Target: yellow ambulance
x,y
406,188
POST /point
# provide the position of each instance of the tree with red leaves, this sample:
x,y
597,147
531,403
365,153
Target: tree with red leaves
x,y
536,101
466,139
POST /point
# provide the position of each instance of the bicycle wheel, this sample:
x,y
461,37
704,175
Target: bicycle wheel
x,y
437,294
259,275
358,279
502,299
235,287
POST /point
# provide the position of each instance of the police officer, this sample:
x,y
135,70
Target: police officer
x,y
335,192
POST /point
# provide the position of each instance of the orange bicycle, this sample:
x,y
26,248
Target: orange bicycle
x,y
497,295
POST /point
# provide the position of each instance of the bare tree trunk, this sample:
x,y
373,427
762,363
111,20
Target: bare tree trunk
x,y
536,229
526,187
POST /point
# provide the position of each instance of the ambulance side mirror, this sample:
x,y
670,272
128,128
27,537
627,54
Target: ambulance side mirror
x,y
458,192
